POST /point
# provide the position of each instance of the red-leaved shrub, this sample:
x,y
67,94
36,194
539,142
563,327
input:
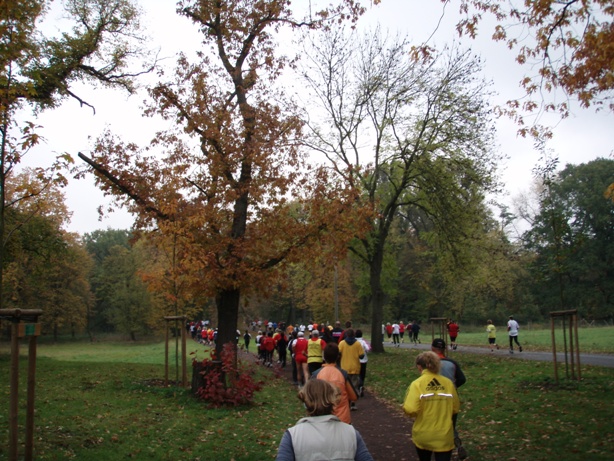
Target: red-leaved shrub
x,y
225,382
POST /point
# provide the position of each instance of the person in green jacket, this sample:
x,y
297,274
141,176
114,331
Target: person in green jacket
x,y
432,400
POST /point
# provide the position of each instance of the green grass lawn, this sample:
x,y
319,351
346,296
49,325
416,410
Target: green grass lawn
x,y
592,340
93,402
512,409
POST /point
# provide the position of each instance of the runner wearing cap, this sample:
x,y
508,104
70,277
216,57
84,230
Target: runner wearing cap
x,y
451,370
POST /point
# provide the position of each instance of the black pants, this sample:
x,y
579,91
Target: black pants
x,y
313,367
514,339
282,353
425,455
363,373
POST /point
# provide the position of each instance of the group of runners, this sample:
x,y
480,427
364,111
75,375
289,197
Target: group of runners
x,y
397,330
202,332
512,328
304,346
318,352
396,333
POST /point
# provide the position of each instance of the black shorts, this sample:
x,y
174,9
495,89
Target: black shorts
x,y
492,340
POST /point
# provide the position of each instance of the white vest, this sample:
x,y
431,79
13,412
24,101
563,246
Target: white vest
x,y
319,438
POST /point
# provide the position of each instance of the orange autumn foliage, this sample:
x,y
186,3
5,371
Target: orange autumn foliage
x,y
227,184
571,44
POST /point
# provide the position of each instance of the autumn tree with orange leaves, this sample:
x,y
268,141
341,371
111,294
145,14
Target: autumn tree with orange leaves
x,y
570,44
227,181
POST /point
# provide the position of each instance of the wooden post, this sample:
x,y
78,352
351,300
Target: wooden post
x,y
553,336
183,355
14,399
574,345
572,355
577,346
166,358
184,371
441,327
565,350
30,407
23,324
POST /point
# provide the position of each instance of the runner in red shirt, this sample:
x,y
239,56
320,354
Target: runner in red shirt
x,y
300,357
389,331
268,345
453,330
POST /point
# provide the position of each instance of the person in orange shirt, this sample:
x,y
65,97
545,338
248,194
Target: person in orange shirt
x,y
339,378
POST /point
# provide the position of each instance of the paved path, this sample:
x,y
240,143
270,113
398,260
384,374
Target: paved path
x,y
601,360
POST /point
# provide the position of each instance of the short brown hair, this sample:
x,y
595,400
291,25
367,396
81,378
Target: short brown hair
x,y
319,397
331,353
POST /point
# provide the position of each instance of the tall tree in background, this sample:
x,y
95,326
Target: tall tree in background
x,y
130,304
481,279
573,241
164,272
44,266
66,298
38,71
127,301
232,173
99,244
427,123
329,293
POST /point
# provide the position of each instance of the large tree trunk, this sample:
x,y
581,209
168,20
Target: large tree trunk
x,y
2,204
377,300
228,317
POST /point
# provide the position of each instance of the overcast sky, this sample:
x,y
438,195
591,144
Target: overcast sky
x,y
584,136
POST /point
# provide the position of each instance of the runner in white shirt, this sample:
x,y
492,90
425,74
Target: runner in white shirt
x,y
512,330
396,332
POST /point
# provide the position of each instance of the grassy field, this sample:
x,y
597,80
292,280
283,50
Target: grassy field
x,y
512,409
592,340
95,402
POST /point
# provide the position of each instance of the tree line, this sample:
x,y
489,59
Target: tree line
x,y
119,281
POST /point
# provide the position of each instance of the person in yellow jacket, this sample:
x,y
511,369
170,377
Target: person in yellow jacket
x,y
432,400
492,335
